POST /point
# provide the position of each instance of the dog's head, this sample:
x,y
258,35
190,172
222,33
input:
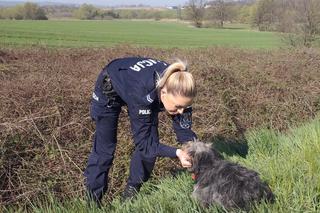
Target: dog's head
x,y
202,155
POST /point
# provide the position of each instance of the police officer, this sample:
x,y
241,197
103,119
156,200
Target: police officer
x,y
147,86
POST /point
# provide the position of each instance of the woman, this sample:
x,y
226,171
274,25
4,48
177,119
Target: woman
x,y
147,86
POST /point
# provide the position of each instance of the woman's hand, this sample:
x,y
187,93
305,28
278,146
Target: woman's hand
x,y
184,158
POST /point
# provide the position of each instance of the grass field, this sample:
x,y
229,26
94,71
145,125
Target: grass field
x,y
288,162
75,33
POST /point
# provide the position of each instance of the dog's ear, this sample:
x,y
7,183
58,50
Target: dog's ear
x,y
195,168
187,147
201,160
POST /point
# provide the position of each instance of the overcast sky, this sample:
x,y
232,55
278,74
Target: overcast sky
x,y
119,2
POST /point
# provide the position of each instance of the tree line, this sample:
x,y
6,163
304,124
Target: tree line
x,y
25,11
90,12
238,11
298,20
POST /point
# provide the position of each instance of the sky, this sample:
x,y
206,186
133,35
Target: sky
x,y
120,2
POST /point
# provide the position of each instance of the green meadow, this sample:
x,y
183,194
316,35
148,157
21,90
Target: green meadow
x,y
76,33
288,162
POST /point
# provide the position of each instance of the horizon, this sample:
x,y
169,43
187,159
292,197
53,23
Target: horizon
x,y
111,3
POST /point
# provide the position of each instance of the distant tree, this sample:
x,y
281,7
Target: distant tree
x,y
179,13
2,13
264,14
245,13
26,11
16,12
286,17
221,11
196,11
41,14
134,14
30,10
157,16
108,14
298,19
86,11
59,11
309,12
304,21
33,11
19,12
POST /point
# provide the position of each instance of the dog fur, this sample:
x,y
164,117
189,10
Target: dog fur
x,y
222,182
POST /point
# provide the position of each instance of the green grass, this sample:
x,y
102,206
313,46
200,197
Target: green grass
x,y
75,33
289,163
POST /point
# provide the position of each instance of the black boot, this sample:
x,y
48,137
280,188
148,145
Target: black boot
x,y
129,193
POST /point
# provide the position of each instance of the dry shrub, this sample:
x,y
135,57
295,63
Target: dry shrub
x,y
46,130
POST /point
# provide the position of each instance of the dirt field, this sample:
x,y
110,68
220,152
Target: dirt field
x,y
46,130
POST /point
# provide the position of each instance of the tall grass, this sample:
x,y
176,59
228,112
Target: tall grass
x,y
291,164
288,162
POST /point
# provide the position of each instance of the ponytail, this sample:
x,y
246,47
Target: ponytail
x,y
177,80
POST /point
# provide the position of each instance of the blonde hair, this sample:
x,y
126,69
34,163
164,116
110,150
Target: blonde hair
x,y
178,81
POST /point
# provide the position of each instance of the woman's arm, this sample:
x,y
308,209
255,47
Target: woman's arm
x,y
182,126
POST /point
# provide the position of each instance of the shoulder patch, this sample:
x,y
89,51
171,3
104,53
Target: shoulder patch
x,y
186,120
149,99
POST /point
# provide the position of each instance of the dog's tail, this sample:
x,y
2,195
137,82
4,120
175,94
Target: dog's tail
x,y
268,194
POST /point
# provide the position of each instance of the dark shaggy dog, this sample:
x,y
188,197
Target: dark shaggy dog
x,y
223,182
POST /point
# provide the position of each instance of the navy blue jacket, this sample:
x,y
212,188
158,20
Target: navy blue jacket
x,y
134,79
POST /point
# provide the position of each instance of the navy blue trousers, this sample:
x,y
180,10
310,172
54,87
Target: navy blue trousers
x,y
102,154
